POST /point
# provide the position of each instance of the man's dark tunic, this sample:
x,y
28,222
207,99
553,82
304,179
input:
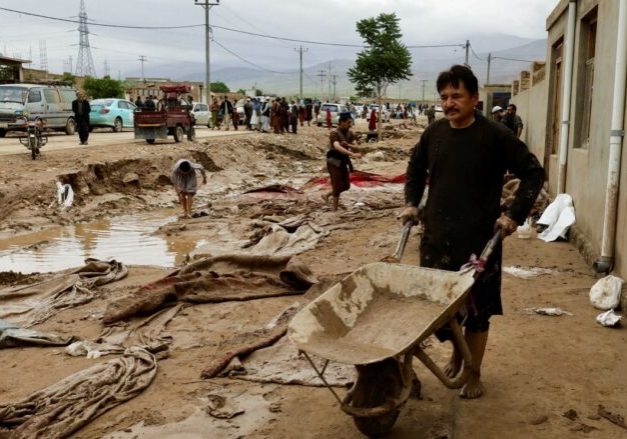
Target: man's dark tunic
x,y
465,168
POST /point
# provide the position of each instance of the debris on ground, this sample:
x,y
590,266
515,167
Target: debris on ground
x,y
606,292
11,335
614,418
222,408
556,312
609,319
557,218
527,272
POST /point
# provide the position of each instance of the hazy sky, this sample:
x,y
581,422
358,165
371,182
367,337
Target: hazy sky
x,y
423,22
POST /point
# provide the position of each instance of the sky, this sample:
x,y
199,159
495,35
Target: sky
x,y
423,22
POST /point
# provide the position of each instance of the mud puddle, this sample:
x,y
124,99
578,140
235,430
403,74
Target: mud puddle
x,y
128,239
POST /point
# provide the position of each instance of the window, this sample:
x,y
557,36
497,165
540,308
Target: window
x,y
587,50
67,95
52,96
34,96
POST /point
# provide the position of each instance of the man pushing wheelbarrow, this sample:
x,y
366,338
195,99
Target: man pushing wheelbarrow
x,y
465,157
377,317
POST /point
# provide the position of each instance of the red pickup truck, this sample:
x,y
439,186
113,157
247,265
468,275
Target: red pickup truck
x,y
171,116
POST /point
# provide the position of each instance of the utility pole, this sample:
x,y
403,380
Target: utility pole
x,y
207,4
334,81
300,51
487,79
321,74
142,59
329,83
107,70
467,46
424,82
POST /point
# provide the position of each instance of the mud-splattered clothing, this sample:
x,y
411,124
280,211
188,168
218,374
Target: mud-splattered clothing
x,y
339,165
465,168
186,182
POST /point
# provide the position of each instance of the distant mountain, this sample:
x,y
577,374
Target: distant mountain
x,y
427,64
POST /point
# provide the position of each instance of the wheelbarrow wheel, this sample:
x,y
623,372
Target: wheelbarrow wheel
x,y
376,383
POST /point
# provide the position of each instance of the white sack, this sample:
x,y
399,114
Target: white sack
x,y
605,293
558,217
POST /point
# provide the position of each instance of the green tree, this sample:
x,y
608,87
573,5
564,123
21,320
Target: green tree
x,y
219,87
258,92
103,88
68,79
384,61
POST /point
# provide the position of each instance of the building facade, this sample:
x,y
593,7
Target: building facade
x,y
575,122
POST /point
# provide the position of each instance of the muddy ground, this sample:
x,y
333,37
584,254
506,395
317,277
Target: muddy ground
x,y
536,367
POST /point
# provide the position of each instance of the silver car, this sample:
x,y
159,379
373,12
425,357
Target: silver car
x,y
335,110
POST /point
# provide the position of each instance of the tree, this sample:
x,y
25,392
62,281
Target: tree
x,y
219,87
68,79
103,88
384,61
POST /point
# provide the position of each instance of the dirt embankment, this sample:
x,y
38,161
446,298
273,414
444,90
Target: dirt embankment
x,y
113,180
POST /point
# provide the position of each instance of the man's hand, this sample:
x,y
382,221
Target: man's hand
x,y
409,214
356,155
506,225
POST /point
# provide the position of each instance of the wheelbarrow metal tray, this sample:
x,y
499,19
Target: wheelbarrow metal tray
x,y
379,311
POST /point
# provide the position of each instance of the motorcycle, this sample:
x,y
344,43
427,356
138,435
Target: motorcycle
x,y
35,137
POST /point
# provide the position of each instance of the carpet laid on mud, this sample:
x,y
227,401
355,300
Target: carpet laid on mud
x,y
33,304
218,279
64,407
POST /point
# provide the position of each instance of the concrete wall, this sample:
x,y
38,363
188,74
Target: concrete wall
x,y
586,173
533,113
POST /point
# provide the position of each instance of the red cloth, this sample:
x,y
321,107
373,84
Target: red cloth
x,y
328,118
360,178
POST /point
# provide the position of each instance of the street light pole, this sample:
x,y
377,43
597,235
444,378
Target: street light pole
x,y
207,4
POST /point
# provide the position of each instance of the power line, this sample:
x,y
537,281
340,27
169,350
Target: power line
x,y
247,61
512,59
229,29
67,20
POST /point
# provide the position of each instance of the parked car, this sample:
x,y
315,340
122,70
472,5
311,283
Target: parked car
x,y
383,116
50,103
112,113
335,109
201,114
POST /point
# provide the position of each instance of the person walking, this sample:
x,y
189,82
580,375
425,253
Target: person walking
x,y
138,102
372,123
81,109
430,113
464,155
248,114
342,147
512,120
186,184
255,121
226,109
294,116
265,116
215,109
328,118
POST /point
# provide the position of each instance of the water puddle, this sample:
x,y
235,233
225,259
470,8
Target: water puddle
x,y
127,239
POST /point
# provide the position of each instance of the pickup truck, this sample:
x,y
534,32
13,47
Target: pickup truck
x,y
172,116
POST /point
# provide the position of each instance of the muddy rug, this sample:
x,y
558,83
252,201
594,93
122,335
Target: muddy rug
x,y
281,363
218,279
12,335
64,407
35,303
245,343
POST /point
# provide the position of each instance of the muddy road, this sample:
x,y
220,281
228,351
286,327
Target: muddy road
x,y
264,197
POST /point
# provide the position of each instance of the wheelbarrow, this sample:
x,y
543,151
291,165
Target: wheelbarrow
x,y
377,319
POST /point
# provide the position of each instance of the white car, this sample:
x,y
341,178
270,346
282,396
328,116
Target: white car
x,y
385,116
335,110
201,114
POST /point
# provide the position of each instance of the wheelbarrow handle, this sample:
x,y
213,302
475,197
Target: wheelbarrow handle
x,y
402,243
491,245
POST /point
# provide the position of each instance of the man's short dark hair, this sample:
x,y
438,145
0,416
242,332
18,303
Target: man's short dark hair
x,y
455,75
185,166
512,106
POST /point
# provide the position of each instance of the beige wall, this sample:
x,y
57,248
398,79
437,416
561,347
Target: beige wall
x,y
586,173
534,116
